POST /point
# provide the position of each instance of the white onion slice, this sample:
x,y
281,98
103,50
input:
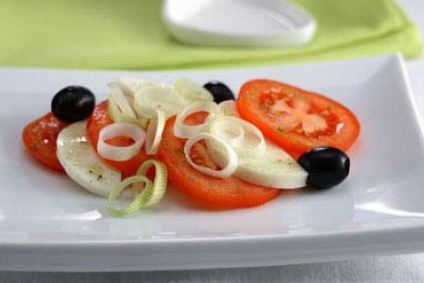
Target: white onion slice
x,y
130,86
226,130
192,91
252,140
182,130
230,154
228,107
149,99
119,117
120,100
120,153
154,132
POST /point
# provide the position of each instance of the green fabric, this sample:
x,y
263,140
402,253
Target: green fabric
x,y
130,35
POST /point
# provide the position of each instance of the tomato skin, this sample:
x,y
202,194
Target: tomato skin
x,y
213,192
295,143
100,119
40,137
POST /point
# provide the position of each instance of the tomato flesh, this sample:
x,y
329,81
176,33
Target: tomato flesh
x,y
40,138
100,119
295,119
214,192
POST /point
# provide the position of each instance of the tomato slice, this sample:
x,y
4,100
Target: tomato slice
x,y
295,119
40,138
218,193
100,119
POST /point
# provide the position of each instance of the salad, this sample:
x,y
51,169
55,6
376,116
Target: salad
x,y
219,151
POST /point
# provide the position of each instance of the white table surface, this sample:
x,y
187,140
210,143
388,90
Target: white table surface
x,y
402,268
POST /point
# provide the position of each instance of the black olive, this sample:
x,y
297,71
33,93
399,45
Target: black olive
x,y
73,103
220,91
326,166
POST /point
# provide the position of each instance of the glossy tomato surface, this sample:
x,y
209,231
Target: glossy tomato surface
x,y
295,119
40,138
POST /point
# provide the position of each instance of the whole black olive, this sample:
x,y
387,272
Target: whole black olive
x,y
326,166
73,103
220,91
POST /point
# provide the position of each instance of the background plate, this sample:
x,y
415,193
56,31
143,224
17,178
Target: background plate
x,y
48,223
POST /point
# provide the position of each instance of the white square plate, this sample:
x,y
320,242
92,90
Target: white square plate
x,y
48,223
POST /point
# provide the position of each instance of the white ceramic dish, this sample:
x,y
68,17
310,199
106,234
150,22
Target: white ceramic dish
x,y
48,223
239,22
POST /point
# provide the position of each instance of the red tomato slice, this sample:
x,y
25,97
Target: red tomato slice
x,y
219,193
100,119
40,138
295,119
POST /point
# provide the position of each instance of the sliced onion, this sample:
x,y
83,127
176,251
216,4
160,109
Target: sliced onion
x,y
225,129
149,99
182,130
230,154
154,132
192,91
130,86
119,117
229,129
120,153
228,107
120,100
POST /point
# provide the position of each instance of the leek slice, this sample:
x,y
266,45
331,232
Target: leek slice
x,y
152,193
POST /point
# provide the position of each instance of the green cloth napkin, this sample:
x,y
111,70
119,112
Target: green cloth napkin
x,y
129,34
